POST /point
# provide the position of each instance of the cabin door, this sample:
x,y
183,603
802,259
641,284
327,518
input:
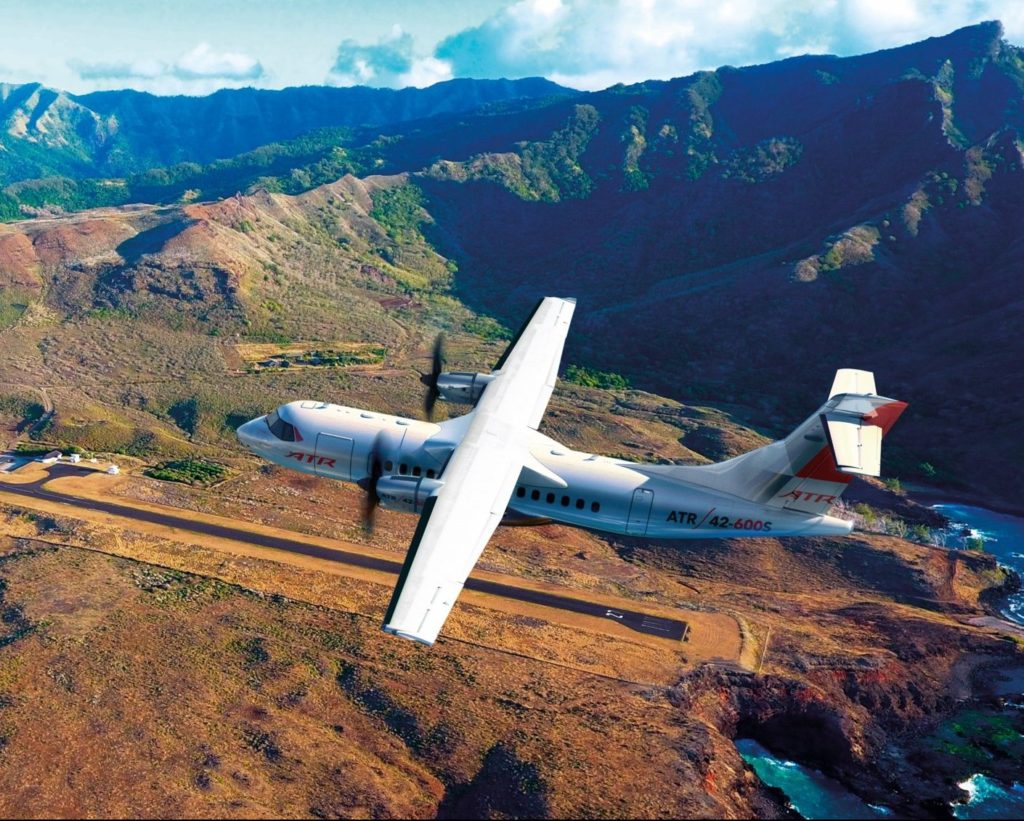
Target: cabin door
x,y
333,456
639,511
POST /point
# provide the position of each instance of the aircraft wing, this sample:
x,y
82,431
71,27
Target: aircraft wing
x,y
480,477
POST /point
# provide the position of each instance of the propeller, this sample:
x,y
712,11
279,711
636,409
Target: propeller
x,y
430,379
372,500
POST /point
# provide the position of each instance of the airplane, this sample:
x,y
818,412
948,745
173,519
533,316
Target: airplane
x,y
466,475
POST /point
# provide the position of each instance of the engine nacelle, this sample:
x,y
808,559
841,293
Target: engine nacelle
x,y
407,494
462,387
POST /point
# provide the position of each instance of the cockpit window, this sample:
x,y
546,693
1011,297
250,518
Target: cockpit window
x,y
281,429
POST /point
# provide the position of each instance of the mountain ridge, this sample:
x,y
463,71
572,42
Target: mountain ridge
x,y
832,212
118,132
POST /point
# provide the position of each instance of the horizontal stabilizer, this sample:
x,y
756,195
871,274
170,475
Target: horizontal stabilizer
x,y
856,446
850,380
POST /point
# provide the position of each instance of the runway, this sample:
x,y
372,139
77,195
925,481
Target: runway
x,y
635,620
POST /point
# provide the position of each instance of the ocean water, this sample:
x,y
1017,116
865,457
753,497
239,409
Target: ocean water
x,y
815,796
811,794
990,799
1004,539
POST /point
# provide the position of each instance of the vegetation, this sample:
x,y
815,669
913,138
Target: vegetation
x,y
552,168
765,160
634,178
487,328
13,304
287,166
590,378
399,210
977,737
31,449
186,414
27,411
188,471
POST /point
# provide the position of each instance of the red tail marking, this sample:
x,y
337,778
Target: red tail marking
x,y
823,467
885,417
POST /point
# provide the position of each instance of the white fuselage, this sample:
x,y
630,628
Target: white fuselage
x,y
562,484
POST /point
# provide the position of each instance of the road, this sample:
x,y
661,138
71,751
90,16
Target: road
x,y
634,620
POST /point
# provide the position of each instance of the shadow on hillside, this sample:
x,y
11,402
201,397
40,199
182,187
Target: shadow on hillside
x,y
151,240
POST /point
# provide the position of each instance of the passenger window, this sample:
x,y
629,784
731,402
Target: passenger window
x,y
595,506
520,492
535,495
403,468
551,498
579,504
417,471
430,473
565,501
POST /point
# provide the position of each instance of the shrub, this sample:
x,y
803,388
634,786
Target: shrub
x,y
894,485
865,511
975,543
596,379
188,471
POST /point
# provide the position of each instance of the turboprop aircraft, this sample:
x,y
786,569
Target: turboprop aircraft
x,y
467,475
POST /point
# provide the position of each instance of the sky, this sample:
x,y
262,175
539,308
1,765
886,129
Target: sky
x,y
198,46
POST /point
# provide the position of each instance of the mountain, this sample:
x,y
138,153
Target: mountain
x,y
732,236
114,133
737,235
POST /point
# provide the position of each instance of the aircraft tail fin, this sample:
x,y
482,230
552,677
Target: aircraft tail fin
x,y
809,469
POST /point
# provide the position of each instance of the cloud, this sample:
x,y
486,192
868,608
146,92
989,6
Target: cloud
x,y
594,43
391,61
144,69
203,62
196,72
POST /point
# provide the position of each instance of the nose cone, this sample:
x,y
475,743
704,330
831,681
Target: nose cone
x,y
252,433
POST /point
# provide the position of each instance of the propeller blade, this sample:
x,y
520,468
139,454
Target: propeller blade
x,y
430,380
372,500
429,401
438,356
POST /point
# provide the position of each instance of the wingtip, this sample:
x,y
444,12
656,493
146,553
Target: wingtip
x,y
394,631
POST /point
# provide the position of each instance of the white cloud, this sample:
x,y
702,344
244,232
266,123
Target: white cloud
x,y
392,62
203,62
199,71
593,43
425,71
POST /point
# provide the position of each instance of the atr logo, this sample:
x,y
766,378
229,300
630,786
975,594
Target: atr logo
x,y
682,517
806,496
310,459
